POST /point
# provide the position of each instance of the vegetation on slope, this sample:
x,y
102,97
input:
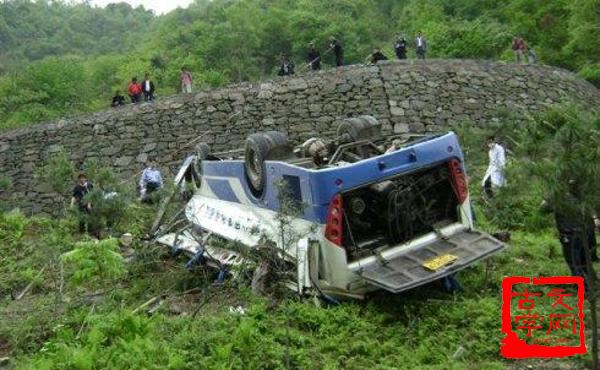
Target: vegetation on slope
x,y
82,309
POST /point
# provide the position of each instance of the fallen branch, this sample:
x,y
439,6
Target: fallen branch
x,y
194,141
204,302
30,285
162,209
190,291
156,307
85,321
62,280
148,303
161,296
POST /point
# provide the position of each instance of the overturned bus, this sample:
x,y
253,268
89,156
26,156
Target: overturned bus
x,y
376,211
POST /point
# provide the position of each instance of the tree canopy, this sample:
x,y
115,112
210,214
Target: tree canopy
x,y
58,58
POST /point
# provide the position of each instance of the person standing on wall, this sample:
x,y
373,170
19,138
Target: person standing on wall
x,y
314,57
135,90
376,56
494,176
338,51
421,45
400,47
287,67
524,49
531,56
516,47
148,88
118,99
186,81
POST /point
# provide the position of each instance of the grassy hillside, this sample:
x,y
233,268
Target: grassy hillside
x,y
67,323
67,302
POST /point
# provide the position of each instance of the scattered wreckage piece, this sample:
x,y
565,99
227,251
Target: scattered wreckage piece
x,y
214,256
373,211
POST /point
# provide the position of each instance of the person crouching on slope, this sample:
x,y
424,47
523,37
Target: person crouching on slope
x,y
150,182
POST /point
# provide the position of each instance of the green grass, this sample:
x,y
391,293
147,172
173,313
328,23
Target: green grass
x,y
419,329
66,322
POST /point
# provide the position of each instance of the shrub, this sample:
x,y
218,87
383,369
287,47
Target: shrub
x,y
95,262
591,72
58,173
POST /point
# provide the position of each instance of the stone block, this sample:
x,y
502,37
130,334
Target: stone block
x,y
149,147
123,161
142,158
400,128
396,111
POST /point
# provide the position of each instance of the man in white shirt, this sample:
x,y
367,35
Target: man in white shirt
x,y
421,46
494,176
148,88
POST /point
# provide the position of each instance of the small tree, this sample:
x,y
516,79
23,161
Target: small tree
x,y
57,173
95,263
109,196
272,261
289,209
562,150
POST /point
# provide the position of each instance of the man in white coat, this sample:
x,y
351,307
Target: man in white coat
x,y
494,176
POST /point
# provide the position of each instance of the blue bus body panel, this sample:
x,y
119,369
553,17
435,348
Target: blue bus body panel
x,y
318,186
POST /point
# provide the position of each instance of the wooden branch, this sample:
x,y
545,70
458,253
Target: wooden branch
x,y
146,304
85,321
30,285
62,280
163,208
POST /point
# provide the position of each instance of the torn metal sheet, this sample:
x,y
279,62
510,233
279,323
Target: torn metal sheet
x,y
215,257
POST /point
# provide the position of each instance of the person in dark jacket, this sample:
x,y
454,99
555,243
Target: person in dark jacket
x,y
314,57
400,47
81,189
421,46
575,234
148,88
118,99
338,51
376,56
287,67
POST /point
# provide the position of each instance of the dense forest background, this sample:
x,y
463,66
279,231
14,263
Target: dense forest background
x,y
58,58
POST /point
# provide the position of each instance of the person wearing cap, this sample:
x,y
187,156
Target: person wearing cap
x,y
314,57
338,51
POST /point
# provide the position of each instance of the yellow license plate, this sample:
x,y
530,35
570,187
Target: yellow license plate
x,y
439,262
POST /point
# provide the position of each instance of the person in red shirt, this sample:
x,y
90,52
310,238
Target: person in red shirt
x,y
186,81
135,91
517,47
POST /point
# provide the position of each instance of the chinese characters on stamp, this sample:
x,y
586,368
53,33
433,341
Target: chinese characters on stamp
x,y
542,317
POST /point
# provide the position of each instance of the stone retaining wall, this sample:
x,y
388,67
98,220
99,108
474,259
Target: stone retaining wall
x,y
405,96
